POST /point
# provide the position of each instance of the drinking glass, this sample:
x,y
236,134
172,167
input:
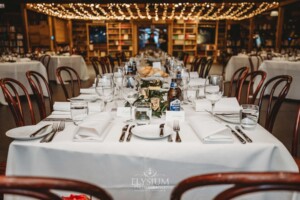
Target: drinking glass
x,y
143,113
184,83
118,78
79,111
214,89
105,88
130,91
249,116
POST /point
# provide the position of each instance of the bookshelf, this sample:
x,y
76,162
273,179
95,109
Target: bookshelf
x,y
119,38
79,35
11,39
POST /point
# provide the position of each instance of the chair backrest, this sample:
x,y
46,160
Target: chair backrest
x,y
42,187
185,58
240,183
96,64
39,85
121,57
200,65
296,134
194,64
105,65
249,82
12,89
206,68
237,78
45,59
111,61
280,86
72,76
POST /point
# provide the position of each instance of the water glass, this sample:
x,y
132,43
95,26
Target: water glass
x,y
79,111
249,116
143,113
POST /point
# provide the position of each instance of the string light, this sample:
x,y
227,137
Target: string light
x,y
126,11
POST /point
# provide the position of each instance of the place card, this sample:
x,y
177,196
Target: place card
x,y
123,112
156,65
175,115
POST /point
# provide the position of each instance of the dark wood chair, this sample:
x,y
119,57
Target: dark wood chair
x,y
200,65
37,82
194,64
224,58
43,188
96,65
45,59
294,151
73,78
204,71
121,57
105,65
249,82
240,183
237,80
185,58
279,85
12,89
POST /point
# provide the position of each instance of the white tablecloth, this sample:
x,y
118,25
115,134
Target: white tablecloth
x,y
146,169
74,61
281,67
17,71
239,61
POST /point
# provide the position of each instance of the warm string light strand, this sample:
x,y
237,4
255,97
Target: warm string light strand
x,y
156,11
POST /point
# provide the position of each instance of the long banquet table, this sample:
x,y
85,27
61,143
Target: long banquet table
x,y
17,70
146,169
74,61
283,67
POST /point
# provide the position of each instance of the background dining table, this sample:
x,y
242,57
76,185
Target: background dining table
x,y
144,169
17,70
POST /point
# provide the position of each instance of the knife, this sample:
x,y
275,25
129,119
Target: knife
x,y
130,134
124,130
161,134
237,135
243,134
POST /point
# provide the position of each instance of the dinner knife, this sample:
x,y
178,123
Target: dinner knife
x,y
161,134
237,135
243,134
129,134
124,130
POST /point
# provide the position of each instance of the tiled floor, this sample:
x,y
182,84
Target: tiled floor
x,y
283,126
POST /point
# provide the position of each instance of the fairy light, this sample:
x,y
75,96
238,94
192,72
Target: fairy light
x,y
127,11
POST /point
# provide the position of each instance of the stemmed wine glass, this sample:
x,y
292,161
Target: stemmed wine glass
x,y
105,88
130,91
214,89
118,79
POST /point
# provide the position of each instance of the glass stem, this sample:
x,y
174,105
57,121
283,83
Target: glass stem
x,y
130,111
105,103
213,109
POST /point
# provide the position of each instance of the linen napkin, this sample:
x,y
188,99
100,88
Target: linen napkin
x,y
87,90
93,128
197,82
210,131
65,106
224,105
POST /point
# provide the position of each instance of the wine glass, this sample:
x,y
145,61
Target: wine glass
x,y
214,89
105,88
130,91
184,75
118,79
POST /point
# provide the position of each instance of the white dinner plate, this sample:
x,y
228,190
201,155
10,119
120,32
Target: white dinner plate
x,y
24,132
151,131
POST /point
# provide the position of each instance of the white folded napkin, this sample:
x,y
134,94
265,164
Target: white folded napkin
x,y
230,105
194,75
197,82
87,90
65,106
93,128
210,131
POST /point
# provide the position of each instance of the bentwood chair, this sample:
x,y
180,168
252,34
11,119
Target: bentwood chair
x,y
96,64
49,188
296,134
279,87
72,77
249,83
45,59
205,68
39,85
12,89
200,65
105,65
240,183
237,80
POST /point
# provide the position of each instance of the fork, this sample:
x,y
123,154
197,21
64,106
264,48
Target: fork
x,y
50,136
176,128
61,126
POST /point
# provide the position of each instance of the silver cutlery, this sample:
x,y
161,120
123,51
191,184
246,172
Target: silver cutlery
x,y
57,119
48,137
129,134
61,126
237,135
39,130
170,138
161,126
176,128
124,130
243,134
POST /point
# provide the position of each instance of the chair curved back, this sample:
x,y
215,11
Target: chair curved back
x,y
121,57
111,61
72,77
200,65
274,103
12,89
249,81
206,68
296,134
240,183
42,187
45,59
238,77
95,64
37,82
194,64
105,65
185,58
